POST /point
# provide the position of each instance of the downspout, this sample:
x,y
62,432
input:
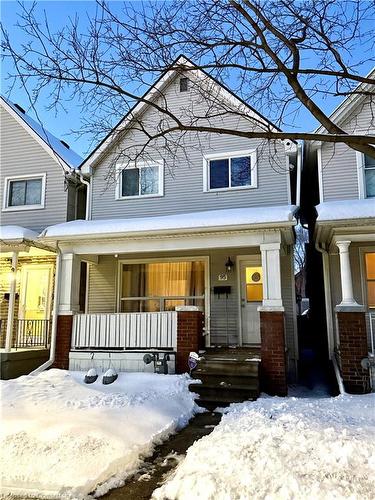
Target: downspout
x,y
327,296
299,167
51,359
88,195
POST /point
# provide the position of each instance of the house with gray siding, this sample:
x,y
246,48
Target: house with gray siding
x,y
187,247
39,186
343,233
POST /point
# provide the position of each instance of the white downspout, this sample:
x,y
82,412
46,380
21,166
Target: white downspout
x,y
88,195
299,167
327,296
51,359
11,304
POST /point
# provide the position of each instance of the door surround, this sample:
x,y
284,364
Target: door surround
x,y
255,260
23,281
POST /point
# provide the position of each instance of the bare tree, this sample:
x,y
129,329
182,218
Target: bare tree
x,y
279,55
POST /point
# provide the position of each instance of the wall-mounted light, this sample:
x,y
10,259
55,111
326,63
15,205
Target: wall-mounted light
x,y
229,265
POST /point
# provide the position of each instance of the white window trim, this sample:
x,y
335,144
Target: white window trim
x,y
18,208
362,266
361,172
139,165
226,156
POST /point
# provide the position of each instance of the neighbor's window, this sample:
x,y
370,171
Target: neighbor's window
x,y
161,286
370,278
143,180
231,172
369,164
24,192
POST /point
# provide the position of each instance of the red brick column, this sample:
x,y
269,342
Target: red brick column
x,y
353,348
273,357
189,337
63,341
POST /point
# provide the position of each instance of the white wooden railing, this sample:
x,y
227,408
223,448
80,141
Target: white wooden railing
x,y
147,330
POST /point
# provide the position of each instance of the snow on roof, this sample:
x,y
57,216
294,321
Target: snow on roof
x,y
195,220
346,209
16,234
68,155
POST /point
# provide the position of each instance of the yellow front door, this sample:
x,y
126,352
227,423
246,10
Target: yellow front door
x,y
36,291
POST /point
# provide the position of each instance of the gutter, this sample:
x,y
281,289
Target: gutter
x,y
52,352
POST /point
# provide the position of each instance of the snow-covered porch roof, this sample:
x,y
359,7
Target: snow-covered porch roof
x,y
351,219
20,239
189,230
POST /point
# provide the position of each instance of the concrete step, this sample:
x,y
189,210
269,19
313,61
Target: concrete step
x,y
230,393
228,367
212,402
219,379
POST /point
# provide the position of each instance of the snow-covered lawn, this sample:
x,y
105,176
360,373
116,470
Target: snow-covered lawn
x,y
292,448
61,438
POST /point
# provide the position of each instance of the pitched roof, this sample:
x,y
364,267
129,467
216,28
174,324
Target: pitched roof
x,y
168,75
53,145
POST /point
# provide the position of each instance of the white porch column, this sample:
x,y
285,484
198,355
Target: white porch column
x,y
12,301
346,275
272,299
69,284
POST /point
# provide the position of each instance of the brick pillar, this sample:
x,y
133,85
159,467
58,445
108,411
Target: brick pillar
x,y
189,337
273,357
63,341
353,348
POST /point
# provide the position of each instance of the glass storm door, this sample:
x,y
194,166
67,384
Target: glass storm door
x,y
251,298
36,290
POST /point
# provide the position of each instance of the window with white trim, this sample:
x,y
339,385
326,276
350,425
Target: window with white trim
x,y
369,170
24,192
140,181
234,171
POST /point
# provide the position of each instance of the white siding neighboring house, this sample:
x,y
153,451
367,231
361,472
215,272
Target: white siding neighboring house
x,y
345,235
39,186
207,230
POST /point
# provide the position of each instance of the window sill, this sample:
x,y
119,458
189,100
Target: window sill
x,y
23,208
139,197
237,188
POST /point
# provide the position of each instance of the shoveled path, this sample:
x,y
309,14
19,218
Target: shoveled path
x,y
165,458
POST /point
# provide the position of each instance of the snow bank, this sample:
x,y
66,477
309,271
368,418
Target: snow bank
x,y
347,209
61,438
283,449
14,233
195,220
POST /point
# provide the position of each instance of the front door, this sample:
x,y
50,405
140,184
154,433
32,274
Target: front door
x,y
251,298
36,291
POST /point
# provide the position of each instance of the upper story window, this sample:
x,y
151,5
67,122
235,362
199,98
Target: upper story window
x,y
24,192
184,84
230,171
143,180
369,169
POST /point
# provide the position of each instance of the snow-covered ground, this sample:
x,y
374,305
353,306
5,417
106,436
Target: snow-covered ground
x,y
61,438
291,448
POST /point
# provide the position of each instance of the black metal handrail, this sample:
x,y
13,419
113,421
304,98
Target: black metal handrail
x,y
32,333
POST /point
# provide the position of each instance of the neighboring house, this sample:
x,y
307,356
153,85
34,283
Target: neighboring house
x,y
203,234
39,186
344,234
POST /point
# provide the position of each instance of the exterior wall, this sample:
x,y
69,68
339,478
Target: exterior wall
x,y
21,154
183,182
339,162
102,286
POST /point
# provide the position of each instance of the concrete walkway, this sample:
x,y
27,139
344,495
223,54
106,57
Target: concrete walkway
x,y
165,458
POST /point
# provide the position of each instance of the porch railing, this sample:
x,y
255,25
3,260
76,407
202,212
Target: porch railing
x,y
27,333
370,320
122,331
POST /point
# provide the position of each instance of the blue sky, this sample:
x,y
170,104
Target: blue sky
x,y
61,125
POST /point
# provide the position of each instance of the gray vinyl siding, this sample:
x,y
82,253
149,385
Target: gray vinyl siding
x,y
339,162
21,154
183,174
224,313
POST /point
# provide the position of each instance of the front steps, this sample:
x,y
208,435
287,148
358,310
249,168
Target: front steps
x,y
227,376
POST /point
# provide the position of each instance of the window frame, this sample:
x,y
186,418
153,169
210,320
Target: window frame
x,y
15,178
361,171
140,165
228,156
